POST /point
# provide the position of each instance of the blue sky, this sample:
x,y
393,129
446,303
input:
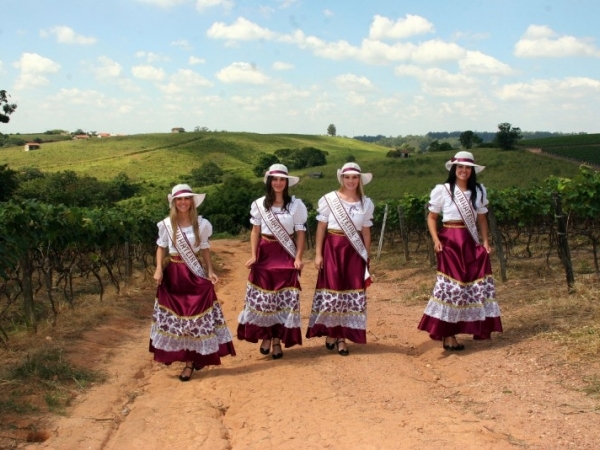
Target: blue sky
x,y
390,67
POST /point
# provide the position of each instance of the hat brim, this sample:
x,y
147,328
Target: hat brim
x,y
365,177
478,168
292,180
198,198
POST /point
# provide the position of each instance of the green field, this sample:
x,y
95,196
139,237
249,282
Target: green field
x,y
160,160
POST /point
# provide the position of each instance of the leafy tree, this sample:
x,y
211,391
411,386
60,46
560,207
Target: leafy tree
x,y
295,158
445,146
265,161
506,137
468,139
434,146
207,174
350,158
331,130
8,183
7,108
229,208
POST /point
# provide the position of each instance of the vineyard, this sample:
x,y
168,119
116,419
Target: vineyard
x,y
50,252
584,148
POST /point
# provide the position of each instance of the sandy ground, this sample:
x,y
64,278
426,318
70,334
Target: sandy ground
x,y
400,391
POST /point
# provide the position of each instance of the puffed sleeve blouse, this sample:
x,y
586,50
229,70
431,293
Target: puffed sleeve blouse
x,y
440,201
293,218
164,240
361,213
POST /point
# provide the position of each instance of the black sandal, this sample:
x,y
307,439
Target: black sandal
x,y
263,350
183,377
329,345
451,348
341,351
277,355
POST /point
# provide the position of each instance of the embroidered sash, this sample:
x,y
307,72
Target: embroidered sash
x,y
345,222
184,248
277,229
466,211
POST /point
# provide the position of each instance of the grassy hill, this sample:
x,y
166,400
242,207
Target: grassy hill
x,y
582,147
161,160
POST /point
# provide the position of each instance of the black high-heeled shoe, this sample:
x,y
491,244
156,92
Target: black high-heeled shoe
x,y
183,377
263,350
341,351
277,355
451,348
329,345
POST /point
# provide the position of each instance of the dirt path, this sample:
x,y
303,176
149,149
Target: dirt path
x,y
400,391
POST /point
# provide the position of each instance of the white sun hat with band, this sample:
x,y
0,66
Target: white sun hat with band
x,y
353,169
279,170
465,159
184,190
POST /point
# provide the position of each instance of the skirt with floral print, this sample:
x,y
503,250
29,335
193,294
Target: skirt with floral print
x,y
187,322
272,304
339,308
464,295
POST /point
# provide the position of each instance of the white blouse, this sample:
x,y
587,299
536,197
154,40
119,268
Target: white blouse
x,y
360,213
292,219
164,240
441,202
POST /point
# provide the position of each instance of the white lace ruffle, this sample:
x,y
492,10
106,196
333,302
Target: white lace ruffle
x,y
268,308
346,309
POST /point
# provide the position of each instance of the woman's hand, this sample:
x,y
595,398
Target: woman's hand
x,y
213,277
318,262
437,246
158,275
251,261
298,264
487,247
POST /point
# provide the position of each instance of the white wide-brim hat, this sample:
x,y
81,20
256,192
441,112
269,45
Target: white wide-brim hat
x,y
353,169
465,159
279,170
184,190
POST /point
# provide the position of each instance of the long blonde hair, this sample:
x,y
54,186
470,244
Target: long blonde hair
x,y
193,216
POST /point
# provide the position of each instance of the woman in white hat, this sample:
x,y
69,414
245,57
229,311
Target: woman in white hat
x,y
271,311
343,243
187,323
464,296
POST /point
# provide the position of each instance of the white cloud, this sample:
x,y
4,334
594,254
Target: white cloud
x,y
540,41
384,28
184,81
107,68
240,72
287,3
435,50
202,5
353,82
66,35
328,13
151,57
183,43
33,68
478,63
278,65
76,96
241,30
571,88
440,83
193,60
150,73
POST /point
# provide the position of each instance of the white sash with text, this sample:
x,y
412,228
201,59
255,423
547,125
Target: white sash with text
x,y
184,248
465,209
277,229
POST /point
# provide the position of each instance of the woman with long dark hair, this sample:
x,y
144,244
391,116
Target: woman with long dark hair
x,y
187,323
464,295
272,305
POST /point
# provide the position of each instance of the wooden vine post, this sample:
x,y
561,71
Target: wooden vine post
x,y
28,306
403,232
497,241
385,213
563,246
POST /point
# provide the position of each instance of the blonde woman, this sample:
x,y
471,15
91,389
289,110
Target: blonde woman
x,y
187,323
343,243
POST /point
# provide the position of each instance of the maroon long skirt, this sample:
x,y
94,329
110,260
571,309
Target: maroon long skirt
x,y
187,322
339,308
272,304
464,295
